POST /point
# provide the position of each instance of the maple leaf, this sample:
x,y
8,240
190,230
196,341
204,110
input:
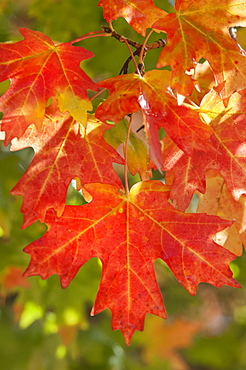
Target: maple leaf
x,y
199,29
204,77
185,174
132,92
228,139
128,234
226,152
138,156
163,340
40,69
13,277
218,201
140,14
64,150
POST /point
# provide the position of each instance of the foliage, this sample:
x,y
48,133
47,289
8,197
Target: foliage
x,y
192,109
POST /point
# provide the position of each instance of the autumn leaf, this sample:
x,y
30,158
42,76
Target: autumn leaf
x,y
64,149
13,277
204,77
39,70
199,29
218,201
228,139
128,234
138,157
140,14
184,174
203,150
132,92
164,339
227,154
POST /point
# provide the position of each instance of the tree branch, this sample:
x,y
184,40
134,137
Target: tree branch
x,y
154,45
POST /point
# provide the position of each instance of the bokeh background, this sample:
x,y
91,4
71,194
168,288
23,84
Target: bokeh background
x,y
42,326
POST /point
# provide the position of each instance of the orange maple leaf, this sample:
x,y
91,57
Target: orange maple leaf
x,y
218,201
64,150
13,277
132,92
140,14
40,69
128,234
227,154
184,174
199,29
163,340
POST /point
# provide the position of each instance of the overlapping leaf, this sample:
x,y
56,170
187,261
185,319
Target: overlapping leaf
x,y
218,201
138,157
228,155
140,14
185,174
199,29
129,93
229,139
128,234
175,335
40,69
64,150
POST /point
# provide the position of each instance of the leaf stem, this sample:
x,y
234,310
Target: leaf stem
x,y
132,55
89,36
100,92
143,49
126,156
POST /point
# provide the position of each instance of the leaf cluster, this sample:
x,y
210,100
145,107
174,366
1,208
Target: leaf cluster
x,y
195,96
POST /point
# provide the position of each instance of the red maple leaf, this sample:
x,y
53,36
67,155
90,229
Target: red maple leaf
x,y
40,69
227,154
185,174
140,14
128,234
129,93
64,149
199,29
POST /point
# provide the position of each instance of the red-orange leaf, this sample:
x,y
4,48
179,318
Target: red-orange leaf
x,y
64,150
163,340
227,154
218,201
185,174
13,277
199,29
128,234
40,69
140,14
129,93
228,139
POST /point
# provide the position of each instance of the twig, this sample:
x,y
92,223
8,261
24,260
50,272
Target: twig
x,y
124,69
132,56
154,45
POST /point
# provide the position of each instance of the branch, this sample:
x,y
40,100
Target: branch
x,y
154,45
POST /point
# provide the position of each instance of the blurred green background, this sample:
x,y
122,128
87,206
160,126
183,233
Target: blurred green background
x,y
43,327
